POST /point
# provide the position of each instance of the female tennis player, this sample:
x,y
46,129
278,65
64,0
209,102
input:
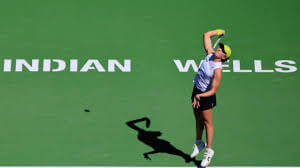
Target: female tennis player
x,y
206,84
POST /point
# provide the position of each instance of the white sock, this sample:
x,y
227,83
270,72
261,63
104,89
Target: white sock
x,y
208,149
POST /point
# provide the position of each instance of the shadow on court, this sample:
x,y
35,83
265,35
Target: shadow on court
x,y
159,145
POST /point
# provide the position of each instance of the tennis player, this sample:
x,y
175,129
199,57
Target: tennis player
x,y
206,84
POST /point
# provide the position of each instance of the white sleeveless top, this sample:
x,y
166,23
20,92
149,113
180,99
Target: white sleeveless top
x,y
204,76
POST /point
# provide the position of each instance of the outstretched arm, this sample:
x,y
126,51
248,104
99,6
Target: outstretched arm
x,y
132,125
207,39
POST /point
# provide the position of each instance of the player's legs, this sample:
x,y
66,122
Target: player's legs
x,y
199,124
209,153
207,117
199,145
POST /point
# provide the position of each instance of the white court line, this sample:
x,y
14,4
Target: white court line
x,y
145,167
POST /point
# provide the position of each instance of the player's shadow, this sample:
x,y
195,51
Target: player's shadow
x,y
159,145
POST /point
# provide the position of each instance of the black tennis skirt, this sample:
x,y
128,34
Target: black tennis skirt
x,y
205,102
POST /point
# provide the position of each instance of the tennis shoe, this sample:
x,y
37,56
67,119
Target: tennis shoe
x,y
198,148
209,153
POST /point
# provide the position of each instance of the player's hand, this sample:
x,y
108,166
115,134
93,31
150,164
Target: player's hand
x,y
196,103
198,100
220,32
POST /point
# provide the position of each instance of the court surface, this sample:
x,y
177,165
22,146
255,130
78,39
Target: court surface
x,y
43,119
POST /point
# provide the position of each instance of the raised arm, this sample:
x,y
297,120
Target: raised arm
x,y
207,39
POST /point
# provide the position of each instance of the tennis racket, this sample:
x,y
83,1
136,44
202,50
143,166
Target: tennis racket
x,y
218,40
